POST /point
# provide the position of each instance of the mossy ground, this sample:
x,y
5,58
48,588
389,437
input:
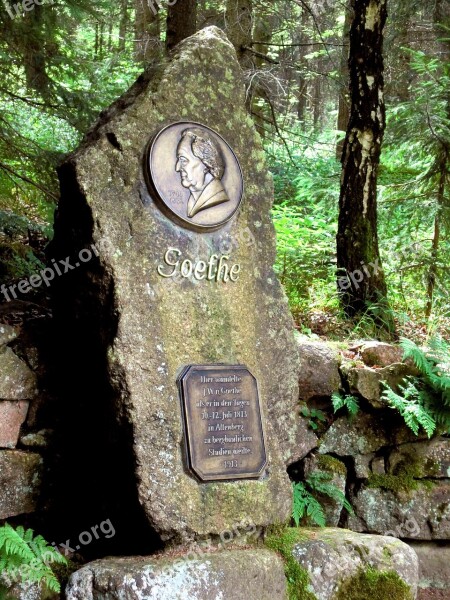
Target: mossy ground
x,y
374,585
283,540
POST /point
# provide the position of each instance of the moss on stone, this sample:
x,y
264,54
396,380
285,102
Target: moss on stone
x,y
329,463
283,540
376,585
406,477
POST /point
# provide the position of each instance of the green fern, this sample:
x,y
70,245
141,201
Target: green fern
x,y
349,402
424,401
27,558
305,505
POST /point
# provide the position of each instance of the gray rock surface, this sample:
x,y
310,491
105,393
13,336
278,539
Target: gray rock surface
x,y
368,382
422,514
17,381
434,565
7,334
319,370
380,354
228,575
362,435
432,455
164,325
20,478
331,557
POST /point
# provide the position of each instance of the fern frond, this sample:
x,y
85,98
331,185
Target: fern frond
x,y
28,558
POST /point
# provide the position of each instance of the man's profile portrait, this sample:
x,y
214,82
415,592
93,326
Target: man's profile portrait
x,y
201,166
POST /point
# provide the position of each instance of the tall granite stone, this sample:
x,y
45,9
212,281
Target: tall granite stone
x,y
149,326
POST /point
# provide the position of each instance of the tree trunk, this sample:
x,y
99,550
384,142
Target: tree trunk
x,y
361,280
239,25
432,274
123,26
302,80
344,101
181,22
146,31
441,22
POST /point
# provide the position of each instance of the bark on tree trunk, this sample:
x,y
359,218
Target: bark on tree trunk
x,y
441,21
123,26
239,24
344,101
361,280
181,22
432,274
146,31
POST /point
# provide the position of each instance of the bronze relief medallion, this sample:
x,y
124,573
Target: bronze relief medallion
x,y
195,175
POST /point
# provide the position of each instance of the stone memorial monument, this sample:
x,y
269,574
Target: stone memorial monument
x,y
171,194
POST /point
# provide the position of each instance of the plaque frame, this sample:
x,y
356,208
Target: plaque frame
x,y
188,432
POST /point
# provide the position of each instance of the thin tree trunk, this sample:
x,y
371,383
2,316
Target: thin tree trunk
x,y
302,81
361,280
146,31
432,274
239,25
181,22
441,21
344,101
123,25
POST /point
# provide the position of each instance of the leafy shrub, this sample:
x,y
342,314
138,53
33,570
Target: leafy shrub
x,y
27,558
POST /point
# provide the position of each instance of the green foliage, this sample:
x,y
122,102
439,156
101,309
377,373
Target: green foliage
x,y
314,416
424,401
306,506
348,401
28,558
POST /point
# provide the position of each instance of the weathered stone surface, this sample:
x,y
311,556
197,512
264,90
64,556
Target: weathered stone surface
x,y
332,557
160,325
422,514
20,478
229,575
433,457
25,591
380,354
368,382
7,334
37,440
362,435
12,415
319,370
17,381
434,566
362,465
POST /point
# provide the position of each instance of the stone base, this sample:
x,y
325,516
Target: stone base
x,y
434,569
226,575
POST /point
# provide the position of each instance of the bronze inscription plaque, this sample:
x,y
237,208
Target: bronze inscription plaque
x,y
222,419
194,175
